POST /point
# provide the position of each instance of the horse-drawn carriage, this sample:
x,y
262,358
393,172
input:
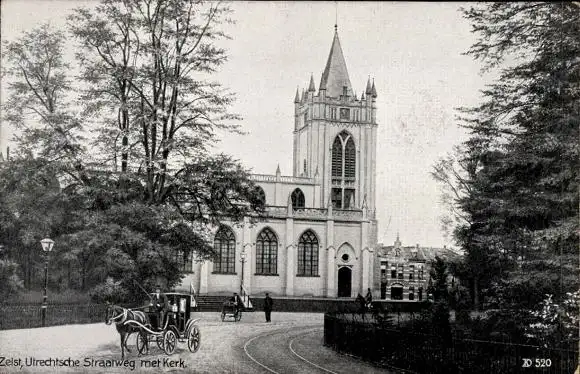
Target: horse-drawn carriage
x,y
175,326
232,309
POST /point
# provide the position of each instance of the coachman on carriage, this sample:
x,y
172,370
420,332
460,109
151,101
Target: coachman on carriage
x,y
166,327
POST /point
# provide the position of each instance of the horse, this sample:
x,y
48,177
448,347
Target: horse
x,y
120,315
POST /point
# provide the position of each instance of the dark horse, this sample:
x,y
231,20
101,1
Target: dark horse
x,y
120,315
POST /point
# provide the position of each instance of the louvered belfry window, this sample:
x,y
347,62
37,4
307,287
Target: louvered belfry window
x,y
337,158
349,159
343,170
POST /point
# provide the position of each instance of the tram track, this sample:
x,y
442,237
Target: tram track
x,y
275,347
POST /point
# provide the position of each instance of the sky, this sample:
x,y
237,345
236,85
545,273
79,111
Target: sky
x,y
413,51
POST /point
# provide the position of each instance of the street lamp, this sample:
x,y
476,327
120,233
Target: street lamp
x,y
47,245
243,256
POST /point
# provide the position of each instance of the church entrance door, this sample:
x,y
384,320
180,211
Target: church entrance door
x,y
344,281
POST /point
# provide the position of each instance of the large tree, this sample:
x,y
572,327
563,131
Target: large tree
x,y
521,199
144,190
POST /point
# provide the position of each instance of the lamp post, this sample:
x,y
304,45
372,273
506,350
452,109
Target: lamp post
x,y
47,245
243,255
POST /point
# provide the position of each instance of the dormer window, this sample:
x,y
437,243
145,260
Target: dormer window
x,y
345,91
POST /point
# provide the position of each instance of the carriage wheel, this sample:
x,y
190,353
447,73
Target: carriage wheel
x,y
223,316
238,316
159,340
169,341
194,339
142,343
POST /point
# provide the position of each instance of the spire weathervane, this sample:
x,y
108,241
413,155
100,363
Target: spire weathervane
x,y
335,16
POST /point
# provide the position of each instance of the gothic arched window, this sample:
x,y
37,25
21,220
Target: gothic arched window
x,y
308,254
225,245
343,171
266,252
298,200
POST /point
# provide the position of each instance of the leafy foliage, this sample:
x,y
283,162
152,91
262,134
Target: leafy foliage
x,y
126,204
516,177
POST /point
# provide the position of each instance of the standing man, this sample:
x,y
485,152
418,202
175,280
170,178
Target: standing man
x,y
268,304
369,299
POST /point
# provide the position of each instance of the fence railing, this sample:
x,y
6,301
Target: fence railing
x,y
23,316
421,353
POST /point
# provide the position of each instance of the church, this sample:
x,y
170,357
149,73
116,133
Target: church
x,y
319,234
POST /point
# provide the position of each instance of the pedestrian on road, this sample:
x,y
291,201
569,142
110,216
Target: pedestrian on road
x,y
268,304
369,299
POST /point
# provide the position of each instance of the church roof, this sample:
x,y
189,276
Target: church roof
x,y
335,75
418,254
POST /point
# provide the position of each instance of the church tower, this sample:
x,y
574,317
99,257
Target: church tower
x,y
335,136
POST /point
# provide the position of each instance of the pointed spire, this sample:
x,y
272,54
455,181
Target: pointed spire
x,y
311,87
374,90
362,97
303,96
297,98
369,90
322,85
335,75
278,170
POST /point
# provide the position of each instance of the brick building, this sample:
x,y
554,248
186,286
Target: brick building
x,y
403,271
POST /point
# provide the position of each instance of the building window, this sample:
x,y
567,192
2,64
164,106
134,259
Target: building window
x,y
421,275
266,252
225,246
184,261
411,293
305,117
344,91
393,271
349,198
298,200
333,113
384,266
343,169
411,272
420,294
344,113
336,198
401,268
396,292
308,254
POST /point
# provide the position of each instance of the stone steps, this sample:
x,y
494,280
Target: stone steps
x,y
211,303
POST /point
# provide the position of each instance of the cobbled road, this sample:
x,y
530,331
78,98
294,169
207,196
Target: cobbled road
x,y
292,343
